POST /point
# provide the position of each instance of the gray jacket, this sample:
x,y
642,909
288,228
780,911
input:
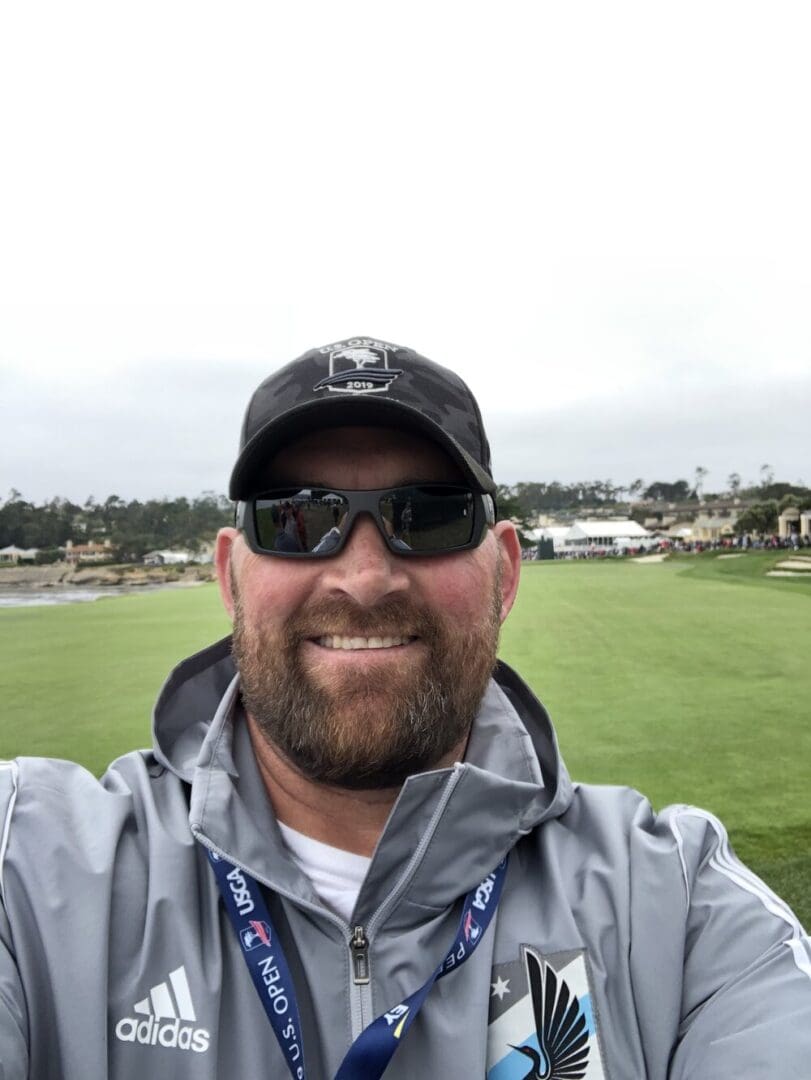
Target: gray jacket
x,y
636,943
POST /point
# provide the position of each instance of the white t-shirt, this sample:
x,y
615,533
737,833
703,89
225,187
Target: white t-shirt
x,y
336,875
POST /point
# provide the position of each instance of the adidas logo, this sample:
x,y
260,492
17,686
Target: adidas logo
x,y
167,1005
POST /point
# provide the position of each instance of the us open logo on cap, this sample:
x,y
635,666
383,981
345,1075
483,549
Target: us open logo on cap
x,y
358,366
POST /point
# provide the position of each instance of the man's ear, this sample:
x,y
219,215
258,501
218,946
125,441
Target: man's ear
x,y
224,551
509,553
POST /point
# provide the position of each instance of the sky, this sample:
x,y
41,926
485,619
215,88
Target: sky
x,y
598,214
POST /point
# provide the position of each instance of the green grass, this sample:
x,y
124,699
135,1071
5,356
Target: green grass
x,y
79,680
688,680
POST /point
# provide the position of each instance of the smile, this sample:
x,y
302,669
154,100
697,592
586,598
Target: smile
x,y
338,641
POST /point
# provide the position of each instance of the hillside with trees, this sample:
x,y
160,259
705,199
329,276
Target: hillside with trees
x,y
134,528
528,500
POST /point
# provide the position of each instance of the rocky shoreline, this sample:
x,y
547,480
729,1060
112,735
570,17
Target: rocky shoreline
x,y
61,575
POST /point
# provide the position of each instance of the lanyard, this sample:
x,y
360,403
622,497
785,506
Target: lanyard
x,y
371,1052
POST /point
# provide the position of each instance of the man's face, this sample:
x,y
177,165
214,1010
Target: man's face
x,y
366,667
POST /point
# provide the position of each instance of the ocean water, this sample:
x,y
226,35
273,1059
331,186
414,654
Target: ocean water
x,y
31,596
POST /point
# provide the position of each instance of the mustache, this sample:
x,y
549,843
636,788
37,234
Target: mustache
x,y
342,615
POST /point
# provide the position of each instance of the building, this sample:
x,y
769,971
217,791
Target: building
x,y
794,521
166,558
87,553
680,531
707,529
11,555
659,522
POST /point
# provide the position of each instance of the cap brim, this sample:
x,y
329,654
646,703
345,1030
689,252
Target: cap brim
x,y
248,476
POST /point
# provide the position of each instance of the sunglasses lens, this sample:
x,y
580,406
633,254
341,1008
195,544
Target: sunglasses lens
x,y
430,517
299,520
419,519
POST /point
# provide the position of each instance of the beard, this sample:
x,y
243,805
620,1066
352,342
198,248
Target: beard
x,y
371,729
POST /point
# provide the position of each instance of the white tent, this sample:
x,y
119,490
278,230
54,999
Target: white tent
x,y
602,534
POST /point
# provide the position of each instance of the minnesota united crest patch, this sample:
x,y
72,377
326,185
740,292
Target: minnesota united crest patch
x,y
541,1024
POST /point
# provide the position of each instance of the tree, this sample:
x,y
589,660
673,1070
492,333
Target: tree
x,y
734,483
509,508
701,475
766,476
778,490
760,518
530,497
664,492
15,520
635,489
112,510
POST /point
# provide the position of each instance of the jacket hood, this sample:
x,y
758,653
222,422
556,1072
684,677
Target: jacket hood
x,y
449,827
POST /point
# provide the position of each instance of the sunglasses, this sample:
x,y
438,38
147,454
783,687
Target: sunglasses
x,y
311,522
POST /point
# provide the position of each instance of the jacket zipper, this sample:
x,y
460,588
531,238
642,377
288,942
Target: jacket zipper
x,y
361,998
361,990
359,948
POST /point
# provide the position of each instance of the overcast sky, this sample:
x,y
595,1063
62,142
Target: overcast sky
x,y
599,214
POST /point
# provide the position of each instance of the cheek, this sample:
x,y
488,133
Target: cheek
x,y
271,591
461,587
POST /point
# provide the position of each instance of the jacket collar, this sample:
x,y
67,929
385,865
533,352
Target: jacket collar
x,y
448,829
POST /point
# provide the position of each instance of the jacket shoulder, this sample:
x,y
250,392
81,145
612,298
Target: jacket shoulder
x,y
51,807
66,784
690,838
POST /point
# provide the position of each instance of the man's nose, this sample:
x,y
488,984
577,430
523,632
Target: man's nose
x,y
365,570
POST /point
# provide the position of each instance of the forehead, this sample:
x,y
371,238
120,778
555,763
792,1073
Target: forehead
x,y
361,457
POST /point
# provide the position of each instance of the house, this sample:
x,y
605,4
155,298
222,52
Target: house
x,y
166,558
706,528
659,522
87,553
11,555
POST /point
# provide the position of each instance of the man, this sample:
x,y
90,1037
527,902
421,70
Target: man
x,y
354,847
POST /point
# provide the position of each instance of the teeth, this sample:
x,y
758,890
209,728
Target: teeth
x,y
337,641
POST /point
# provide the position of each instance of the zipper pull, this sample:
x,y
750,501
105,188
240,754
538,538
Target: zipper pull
x,y
360,957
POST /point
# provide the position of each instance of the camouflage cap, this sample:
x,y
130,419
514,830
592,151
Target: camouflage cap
x,y
362,381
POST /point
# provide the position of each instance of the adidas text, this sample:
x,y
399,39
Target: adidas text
x,y
151,1032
